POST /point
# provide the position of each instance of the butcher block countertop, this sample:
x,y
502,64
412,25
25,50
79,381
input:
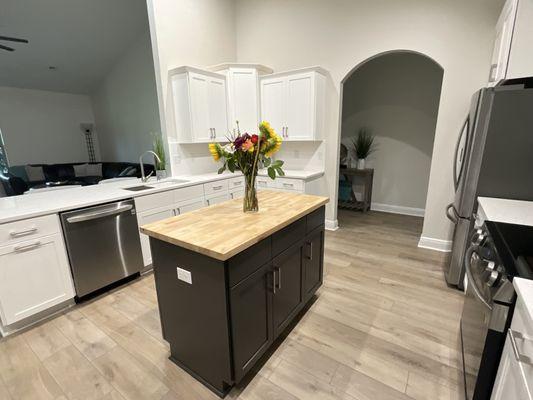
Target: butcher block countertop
x,y
224,230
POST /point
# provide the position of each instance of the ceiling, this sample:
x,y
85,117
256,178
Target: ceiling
x,y
80,38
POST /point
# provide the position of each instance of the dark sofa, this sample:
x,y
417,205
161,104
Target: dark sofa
x,y
16,181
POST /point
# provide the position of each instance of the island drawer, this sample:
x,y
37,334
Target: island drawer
x,y
286,237
248,261
315,219
17,231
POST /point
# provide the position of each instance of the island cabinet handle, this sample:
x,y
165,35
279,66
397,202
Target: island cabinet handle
x,y
310,247
274,280
279,278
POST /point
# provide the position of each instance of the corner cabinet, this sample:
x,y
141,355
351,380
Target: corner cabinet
x,y
243,93
294,103
512,57
199,104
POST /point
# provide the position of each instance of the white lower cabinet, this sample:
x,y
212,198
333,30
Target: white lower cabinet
x,y
215,199
237,194
149,216
189,205
511,381
34,276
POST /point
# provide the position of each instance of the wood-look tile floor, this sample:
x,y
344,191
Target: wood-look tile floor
x,y
384,326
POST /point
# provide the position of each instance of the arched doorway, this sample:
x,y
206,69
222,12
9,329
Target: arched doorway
x,y
394,96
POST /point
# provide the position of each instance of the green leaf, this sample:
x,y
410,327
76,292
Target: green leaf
x,y
231,165
272,173
267,162
280,171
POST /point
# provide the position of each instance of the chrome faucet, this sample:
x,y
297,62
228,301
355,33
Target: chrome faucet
x,y
143,177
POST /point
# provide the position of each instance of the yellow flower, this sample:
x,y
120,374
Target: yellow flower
x,y
275,145
267,131
214,150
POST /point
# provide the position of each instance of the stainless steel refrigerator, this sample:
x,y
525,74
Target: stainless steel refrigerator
x,y
493,158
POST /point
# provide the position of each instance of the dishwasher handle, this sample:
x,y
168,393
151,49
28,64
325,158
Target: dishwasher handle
x,y
99,214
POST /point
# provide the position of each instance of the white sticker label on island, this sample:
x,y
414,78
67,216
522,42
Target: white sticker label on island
x,y
184,275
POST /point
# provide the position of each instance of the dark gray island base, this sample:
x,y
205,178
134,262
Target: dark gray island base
x,y
219,325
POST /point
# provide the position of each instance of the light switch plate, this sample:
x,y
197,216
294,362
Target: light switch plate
x,y
184,275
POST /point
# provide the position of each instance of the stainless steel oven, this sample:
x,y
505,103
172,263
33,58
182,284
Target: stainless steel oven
x,y
103,245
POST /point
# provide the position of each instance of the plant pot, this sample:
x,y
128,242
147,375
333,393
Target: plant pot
x,y
361,163
161,174
249,202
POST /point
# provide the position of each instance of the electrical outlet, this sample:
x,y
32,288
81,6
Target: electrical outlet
x,y
184,275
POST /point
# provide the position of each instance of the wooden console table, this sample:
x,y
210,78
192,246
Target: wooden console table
x,y
366,200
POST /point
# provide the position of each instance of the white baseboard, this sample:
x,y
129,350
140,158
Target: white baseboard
x,y
332,225
435,244
417,212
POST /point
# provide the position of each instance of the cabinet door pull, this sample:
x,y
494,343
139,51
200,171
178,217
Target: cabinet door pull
x,y
310,255
286,131
27,246
521,358
25,232
279,277
217,187
274,280
288,185
214,133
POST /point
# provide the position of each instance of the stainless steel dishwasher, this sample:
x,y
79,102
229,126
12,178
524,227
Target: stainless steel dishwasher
x,y
103,244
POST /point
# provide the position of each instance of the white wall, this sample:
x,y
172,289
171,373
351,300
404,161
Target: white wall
x,y
189,32
125,104
43,127
340,34
396,97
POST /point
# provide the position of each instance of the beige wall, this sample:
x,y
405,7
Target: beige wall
x,y
340,34
125,105
188,32
396,97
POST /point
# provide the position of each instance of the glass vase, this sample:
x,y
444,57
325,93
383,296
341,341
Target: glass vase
x,y
250,203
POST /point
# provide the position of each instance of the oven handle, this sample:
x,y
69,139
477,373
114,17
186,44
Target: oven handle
x,y
95,215
468,268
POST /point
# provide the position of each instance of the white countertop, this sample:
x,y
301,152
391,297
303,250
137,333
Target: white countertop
x,y
507,211
524,290
36,204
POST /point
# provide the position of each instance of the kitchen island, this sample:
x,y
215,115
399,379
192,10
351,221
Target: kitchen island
x,y
229,283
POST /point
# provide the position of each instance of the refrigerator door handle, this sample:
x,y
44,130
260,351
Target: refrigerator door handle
x,y
452,217
459,154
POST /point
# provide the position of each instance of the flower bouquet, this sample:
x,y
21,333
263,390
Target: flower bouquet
x,y
246,153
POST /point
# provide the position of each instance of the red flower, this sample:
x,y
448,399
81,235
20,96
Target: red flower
x,y
255,138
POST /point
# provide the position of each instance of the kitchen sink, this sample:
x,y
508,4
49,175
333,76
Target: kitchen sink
x,y
156,184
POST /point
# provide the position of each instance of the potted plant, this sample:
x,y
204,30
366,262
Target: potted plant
x,y
363,146
159,149
246,153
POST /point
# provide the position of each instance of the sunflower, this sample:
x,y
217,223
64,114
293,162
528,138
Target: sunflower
x,y
272,145
266,130
215,150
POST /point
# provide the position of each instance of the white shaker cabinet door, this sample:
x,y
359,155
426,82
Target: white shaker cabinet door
x,y
244,99
199,92
273,103
34,276
147,217
300,107
510,381
218,110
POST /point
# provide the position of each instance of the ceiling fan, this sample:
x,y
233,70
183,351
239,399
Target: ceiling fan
x,y
10,39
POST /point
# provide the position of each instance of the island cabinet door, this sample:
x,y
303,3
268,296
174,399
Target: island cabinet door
x,y
287,287
313,262
251,316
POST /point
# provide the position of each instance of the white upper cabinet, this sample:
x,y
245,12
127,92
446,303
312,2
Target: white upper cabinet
x,y
199,104
294,103
512,56
243,93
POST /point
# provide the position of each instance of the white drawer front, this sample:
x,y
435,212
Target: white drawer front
x,y
263,182
216,187
236,183
187,193
28,228
156,200
290,184
189,205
